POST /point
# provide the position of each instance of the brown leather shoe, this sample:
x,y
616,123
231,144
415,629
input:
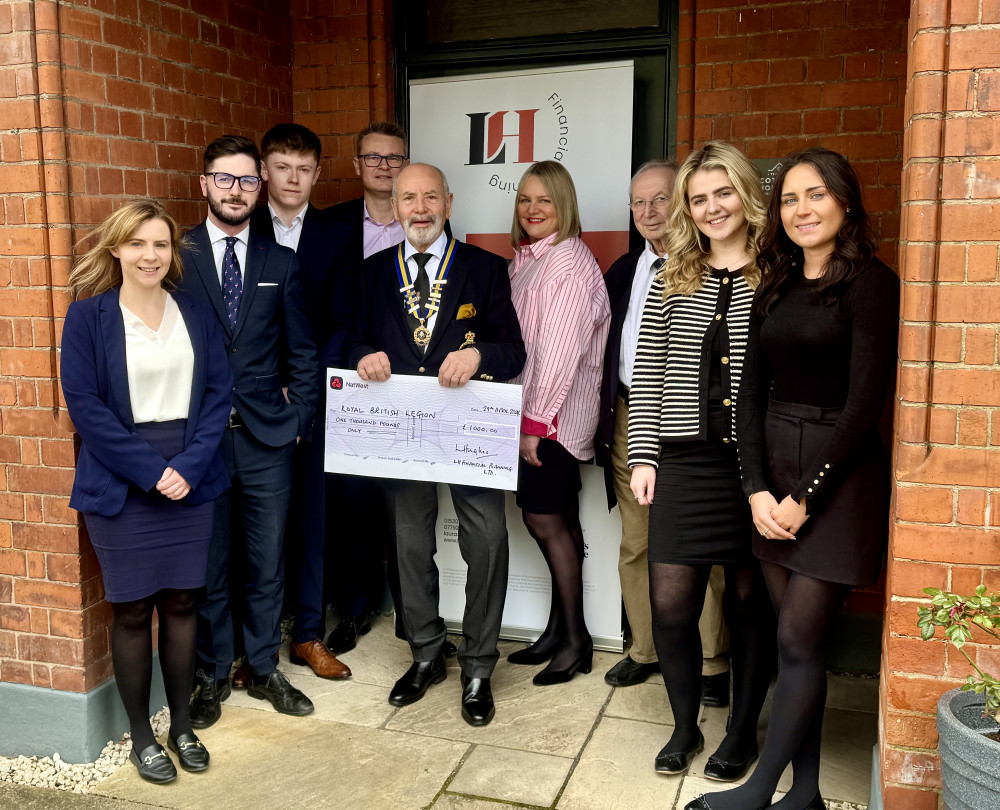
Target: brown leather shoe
x,y
241,675
323,662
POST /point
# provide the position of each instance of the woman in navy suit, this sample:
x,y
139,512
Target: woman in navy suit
x,y
147,384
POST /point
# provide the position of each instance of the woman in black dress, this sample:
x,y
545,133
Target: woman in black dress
x,y
147,383
683,457
820,358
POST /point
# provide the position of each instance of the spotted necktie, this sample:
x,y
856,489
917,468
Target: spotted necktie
x,y
232,281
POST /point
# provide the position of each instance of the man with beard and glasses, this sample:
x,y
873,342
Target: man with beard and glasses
x,y
461,327
253,286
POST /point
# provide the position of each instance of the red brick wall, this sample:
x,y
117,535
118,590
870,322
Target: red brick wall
x,y
947,499
771,77
341,80
99,101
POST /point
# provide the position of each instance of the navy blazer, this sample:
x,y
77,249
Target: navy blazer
x,y
477,277
271,346
95,384
619,283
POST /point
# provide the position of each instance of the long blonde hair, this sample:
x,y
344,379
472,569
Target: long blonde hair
x,y
559,184
98,271
687,247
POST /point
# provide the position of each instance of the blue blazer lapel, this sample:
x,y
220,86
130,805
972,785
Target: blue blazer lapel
x,y
257,250
204,268
113,334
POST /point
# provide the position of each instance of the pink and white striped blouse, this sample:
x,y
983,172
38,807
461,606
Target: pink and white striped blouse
x,y
562,304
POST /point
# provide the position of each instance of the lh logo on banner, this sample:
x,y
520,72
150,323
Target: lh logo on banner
x,y
487,137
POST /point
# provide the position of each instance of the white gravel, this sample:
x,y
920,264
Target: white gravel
x,y
53,772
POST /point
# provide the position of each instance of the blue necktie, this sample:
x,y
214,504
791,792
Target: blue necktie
x,y
232,281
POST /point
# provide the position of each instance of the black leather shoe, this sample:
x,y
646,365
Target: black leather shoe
x,y
450,649
722,771
629,673
413,685
715,689
191,752
701,803
345,635
206,702
550,676
154,765
817,803
530,657
477,701
285,698
674,762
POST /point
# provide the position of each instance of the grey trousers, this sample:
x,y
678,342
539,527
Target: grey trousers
x,y
482,541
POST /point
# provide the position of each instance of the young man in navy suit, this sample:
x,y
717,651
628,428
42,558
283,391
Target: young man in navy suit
x,y
473,334
254,289
291,155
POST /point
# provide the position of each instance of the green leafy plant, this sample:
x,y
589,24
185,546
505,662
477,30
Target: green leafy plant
x,y
956,614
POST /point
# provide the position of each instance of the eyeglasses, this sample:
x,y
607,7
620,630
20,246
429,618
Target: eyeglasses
x,y
222,180
656,202
373,160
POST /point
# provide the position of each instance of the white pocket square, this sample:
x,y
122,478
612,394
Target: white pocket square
x,y
268,284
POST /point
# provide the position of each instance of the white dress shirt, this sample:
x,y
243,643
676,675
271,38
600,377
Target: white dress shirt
x,y
436,251
641,282
287,235
218,240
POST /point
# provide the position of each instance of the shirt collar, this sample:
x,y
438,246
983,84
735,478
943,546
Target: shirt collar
x,y
296,220
369,218
436,249
651,255
216,234
541,247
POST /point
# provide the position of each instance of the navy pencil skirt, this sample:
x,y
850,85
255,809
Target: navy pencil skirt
x,y
154,542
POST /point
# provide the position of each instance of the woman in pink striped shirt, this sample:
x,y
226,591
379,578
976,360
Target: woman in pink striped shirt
x,y
561,301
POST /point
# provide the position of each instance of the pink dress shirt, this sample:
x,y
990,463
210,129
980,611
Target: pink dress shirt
x,y
562,304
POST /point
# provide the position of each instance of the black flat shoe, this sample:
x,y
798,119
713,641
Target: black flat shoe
x,y
675,762
722,771
276,688
206,702
191,753
629,673
450,649
531,655
477,701
154,765
550,676
344,636
415,682
701,803
817,803
715,689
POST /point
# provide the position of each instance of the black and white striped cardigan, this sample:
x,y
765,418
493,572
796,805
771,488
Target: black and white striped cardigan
x,y
668,400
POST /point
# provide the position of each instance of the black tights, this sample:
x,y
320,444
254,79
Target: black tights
x,y
677,595
806,609
132,656
560,538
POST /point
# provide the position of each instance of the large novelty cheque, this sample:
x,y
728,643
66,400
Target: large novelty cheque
x,y
413,428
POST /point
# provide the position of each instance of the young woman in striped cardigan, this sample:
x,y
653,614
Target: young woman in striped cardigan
x,y
682,450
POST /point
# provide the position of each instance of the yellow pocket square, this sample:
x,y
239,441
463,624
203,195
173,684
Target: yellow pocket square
x,y
465,311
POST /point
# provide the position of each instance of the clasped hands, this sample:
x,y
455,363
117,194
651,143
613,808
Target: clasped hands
x,y
777,521
456,370
173,485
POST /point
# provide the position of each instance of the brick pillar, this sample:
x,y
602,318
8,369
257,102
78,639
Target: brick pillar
x,y
95,108
341,80
947,457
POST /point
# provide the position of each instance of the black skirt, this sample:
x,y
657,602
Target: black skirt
x,y
846,540
154,542
699,515
552,488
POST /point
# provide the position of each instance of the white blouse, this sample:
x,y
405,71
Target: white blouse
x,y
160,366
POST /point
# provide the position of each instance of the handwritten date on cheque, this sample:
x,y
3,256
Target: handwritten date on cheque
x,y
411,428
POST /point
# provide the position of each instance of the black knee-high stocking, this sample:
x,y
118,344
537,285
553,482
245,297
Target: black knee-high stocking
x,y
176,610
806,608
751,621
677,595
132,658
564,557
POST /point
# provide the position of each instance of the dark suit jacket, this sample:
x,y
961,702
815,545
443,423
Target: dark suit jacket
x,y
95,384
323,253
619,283
271,346
477,277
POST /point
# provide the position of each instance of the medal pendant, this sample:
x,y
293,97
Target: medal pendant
x,y
422,335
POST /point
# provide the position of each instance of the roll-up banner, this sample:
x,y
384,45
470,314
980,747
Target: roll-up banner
x,y
483,131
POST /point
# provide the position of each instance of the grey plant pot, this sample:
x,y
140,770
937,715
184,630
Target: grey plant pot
x,y
970,761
